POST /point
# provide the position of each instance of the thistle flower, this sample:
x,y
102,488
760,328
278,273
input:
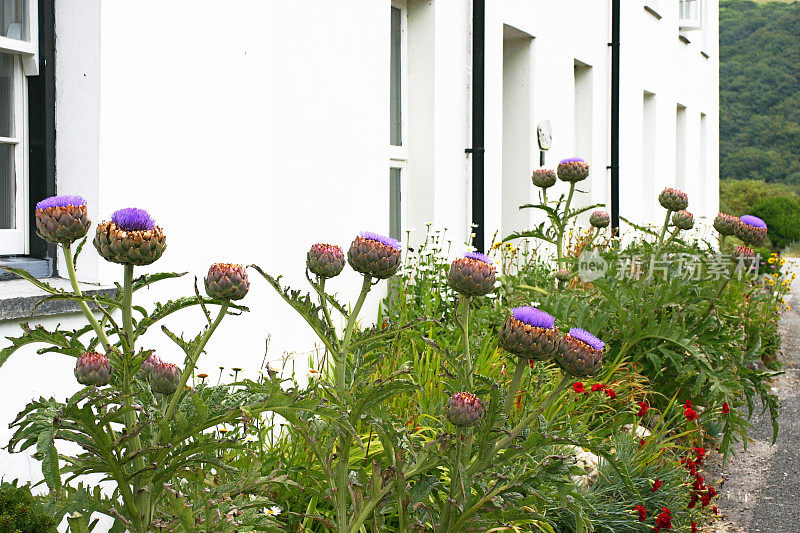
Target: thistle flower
x,y
472,275
93,368
464,409
325,260
226,281
573,170
543,178
530,333
599,219
130,238
726,224
683,219
751,230
374,255
62,219
147,367
673,199
580,353
164,378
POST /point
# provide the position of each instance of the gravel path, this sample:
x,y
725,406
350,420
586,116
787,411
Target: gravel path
x,y
761,491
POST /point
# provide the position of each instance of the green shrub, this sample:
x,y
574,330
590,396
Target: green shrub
x,y
782,215
737,197
20,512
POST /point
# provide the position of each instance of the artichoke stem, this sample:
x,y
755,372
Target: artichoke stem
x,y
67,247
348,333
664,228
465,301
513,388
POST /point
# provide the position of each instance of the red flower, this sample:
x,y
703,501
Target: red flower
x,y
598,386
694,527
611,394
663,520
642,512
579,388
643,407
641,443
701,453
692,466
692,500
699,483
716,511
687,404
725,408
656,484
690,414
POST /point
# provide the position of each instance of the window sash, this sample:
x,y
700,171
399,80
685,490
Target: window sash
x,y
15,240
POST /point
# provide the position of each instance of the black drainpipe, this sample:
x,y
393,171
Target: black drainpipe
x,y
477,150
615,22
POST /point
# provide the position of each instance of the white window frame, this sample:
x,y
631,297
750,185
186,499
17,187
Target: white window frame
x,y
16,241
398,155
690,14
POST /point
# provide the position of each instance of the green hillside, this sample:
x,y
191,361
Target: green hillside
x,y
760,91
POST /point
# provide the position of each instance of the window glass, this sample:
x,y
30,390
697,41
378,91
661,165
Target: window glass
x,y
395,220
14,19
6,95
7,186
395,126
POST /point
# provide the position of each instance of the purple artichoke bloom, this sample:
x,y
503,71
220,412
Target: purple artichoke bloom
x,y
534,317
133,219
756,222
479,257
388,241
571,160
588,338
61,201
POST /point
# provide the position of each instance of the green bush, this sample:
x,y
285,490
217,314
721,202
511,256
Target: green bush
x,y
782,215
20,512
737,197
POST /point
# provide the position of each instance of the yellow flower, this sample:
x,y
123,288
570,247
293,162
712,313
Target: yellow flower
x,y
771,282
775,275
771,260
783,261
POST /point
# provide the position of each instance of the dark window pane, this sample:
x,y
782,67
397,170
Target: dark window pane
x,y
395,127
395,221
7,186
6,95
14,19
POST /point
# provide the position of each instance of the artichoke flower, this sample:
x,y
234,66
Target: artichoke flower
x,y
726,224
673,199
325,260
683,219
464,409
147,366
374,255
580,353
164,378
93,368
599,219
563,274
751,230
226,281
530,333
62,219
130,238
744,251
472,275
543,178
573,170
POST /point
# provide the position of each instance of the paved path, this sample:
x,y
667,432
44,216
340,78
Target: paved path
x,y
761,491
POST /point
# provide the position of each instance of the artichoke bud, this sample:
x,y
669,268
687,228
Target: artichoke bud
x,y
726,224
130,238
93,368
673,199
580,354
563,274
374,255
599,219
62,219
147,367
325,260
530,333
164,378
472,275
751,230
464,409
543,178
683,219
573,170
226,281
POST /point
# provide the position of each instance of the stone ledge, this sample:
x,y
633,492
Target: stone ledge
x,y
18,297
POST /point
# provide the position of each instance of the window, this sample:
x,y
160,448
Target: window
x,y
18,50
398,145
680,147
649,137
689,14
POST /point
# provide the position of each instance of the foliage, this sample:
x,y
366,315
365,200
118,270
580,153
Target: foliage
x,y
737,197
782,215
20,512
759,91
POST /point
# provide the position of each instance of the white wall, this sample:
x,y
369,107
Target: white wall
x,y
254,129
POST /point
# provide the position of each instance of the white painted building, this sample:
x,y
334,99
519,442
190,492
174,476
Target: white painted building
x,y
252,129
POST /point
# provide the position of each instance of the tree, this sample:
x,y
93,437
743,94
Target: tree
x,y
782,215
